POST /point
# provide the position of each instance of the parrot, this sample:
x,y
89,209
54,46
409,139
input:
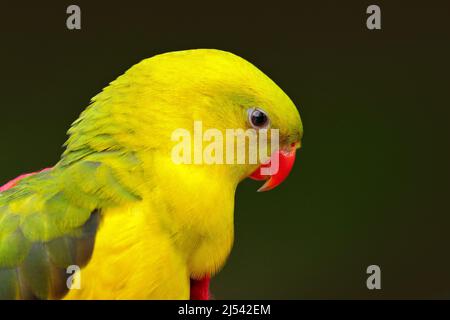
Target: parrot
x,y
115,217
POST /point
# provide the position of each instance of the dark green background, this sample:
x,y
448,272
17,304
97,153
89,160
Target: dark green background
x,y
371,184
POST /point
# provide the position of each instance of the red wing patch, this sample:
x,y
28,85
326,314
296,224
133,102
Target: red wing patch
x,y
14,182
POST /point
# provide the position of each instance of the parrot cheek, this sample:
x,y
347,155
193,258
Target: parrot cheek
x,y
276,170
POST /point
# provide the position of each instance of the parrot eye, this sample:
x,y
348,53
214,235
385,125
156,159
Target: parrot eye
x,y
258,118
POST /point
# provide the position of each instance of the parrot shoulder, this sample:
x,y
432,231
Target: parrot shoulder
x,y
48,222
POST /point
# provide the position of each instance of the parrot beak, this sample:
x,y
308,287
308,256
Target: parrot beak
x,y
285,158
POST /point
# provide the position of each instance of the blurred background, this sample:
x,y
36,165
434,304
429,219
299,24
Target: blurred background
x,y
371,182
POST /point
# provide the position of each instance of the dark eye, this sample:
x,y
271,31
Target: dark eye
x,y
258,118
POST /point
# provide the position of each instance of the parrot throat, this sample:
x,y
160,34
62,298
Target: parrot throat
x,y
200,289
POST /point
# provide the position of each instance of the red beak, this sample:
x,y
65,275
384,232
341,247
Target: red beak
x,y
285,160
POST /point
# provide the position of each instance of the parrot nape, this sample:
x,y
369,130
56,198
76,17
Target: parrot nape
x,y
138,225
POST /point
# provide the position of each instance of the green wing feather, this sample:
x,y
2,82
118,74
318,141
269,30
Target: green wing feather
x,y
48,222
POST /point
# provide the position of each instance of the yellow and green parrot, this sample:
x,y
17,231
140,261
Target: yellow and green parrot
x,y
116,207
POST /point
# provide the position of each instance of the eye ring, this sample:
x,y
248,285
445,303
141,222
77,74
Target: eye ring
x,y
258,118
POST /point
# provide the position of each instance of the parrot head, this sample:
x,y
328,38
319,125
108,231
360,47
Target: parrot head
x,y
212,89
